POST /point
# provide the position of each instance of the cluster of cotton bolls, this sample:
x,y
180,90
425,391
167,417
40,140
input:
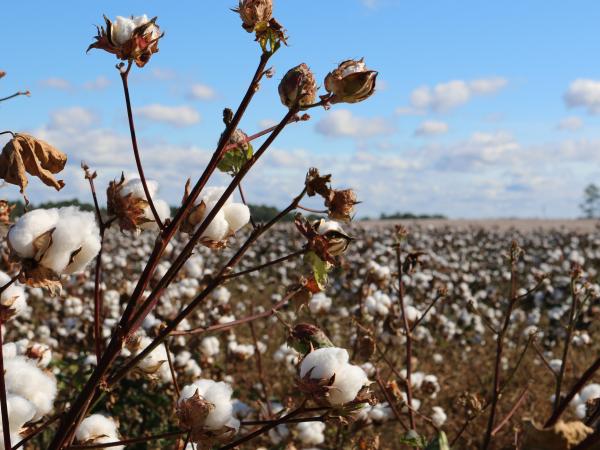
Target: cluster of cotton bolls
x,y
13,299
73,238
230,218
580,403
30,390
98,429
331,363
133,187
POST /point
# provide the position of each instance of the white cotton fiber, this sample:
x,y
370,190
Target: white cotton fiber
x,y
98,429
311,433
324,362
25,379
439,416
217,229
349,379
29,226
74,230
209,346
217,393
237,215
13,296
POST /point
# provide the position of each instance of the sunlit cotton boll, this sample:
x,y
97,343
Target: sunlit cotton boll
x,y
209,346
123,27
219,395
156,361
30,226
311,433
319,303
439,416
13,296
23,378
237,215
135,188
98,429
20,411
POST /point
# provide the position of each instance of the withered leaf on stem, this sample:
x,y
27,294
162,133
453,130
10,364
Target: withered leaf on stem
x,y
562,436
25,154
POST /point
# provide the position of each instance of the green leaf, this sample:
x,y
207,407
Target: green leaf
x,y
439,443
319,267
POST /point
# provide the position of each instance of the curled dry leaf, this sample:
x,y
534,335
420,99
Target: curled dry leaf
x,y
26,154
5,210
562,436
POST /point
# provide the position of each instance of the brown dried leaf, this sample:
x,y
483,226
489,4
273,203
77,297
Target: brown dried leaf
x,y
36,275
25,154
562,436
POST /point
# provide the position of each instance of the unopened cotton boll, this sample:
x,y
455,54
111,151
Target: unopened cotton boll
x,y
439,416
237,215
311,433
218,394
98,429
23,378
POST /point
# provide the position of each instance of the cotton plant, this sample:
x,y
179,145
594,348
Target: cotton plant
x,y
205,407
54,242
98,429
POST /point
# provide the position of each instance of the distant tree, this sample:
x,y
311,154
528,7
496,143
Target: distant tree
x,y
591,201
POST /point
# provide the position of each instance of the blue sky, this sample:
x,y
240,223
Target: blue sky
x,y
484,109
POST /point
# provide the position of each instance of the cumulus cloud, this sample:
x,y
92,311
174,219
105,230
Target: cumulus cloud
x,y
98,84
431,128
449,95
74,118
572,123
584,93
342,123
201,91
178,116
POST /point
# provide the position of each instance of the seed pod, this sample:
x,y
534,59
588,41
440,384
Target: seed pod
x,y
298,86
254,13
351,82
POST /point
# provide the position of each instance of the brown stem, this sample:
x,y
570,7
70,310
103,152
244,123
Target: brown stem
x,y
512,412
9,283
172,370
389,399
3,405
134,144
264,429
235,323
570,328
407,331
267,264
243,197
84,399
16,94
35,432
259,367
500,349
316,211
420,319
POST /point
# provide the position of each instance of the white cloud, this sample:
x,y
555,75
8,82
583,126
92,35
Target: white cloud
x,y
572,123
446,96
431,128
163,74
74,118
98,84
371,4
57,83
200,91
178,116
342,123
266,123
585,93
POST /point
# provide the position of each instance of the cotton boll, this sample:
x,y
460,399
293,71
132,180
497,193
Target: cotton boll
x,y
349,379
98,429
319,303
329,225
439,416
237,215
324,362
162,209
20,411
311,433
211,195
30,226
216,393
581,411
210,346
155,359
217,229
76,235
13,296
555,364
24,378
122,30
590,392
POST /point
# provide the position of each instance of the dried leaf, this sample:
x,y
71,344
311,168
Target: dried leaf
x,y
36,275
25,154
41,244
562,436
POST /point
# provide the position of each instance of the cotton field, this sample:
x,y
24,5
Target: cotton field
x,y
455,293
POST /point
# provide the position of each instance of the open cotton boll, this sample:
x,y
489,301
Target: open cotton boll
x,y
209,346
122,30
217,229
237,215
211,195
98,429
76,235
349,380
23,378
13,296
324,362
319,303
30,226
135,188
162,209
311,433
590,392
155,359
439,416
20,411
329,225
216,393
